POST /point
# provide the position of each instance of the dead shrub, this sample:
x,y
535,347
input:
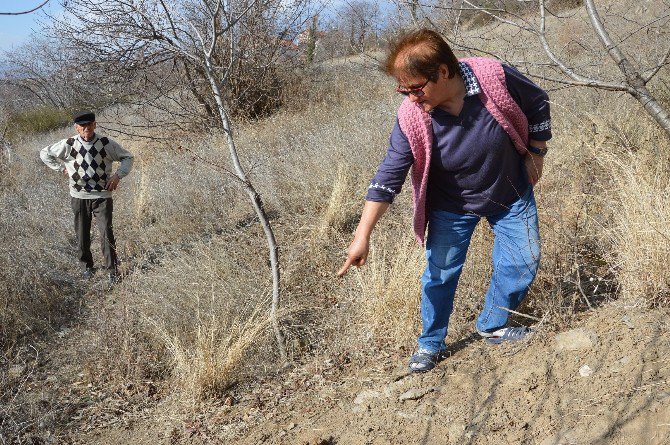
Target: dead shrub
x,y
387,308
640,235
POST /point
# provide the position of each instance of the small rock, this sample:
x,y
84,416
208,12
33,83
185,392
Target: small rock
x,y
585,371
400,373
575,340
391,389
626,320
16,370
456,432
405,415
620,364
415,394
360,409
365,396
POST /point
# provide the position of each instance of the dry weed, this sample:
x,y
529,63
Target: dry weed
x,y
210,365
388,306
35,293
640,235
192,309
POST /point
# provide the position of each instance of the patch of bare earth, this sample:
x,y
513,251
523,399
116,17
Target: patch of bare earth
x,y
603,382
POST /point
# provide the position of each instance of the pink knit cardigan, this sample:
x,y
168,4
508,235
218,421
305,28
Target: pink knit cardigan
x,y
417,126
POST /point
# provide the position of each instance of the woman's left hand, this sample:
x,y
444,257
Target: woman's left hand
x,y
534,164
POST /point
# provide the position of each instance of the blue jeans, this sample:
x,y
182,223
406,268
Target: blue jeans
x,y
516,256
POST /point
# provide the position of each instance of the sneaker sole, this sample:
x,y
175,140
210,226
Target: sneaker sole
x,y
420,371
500,340
493,341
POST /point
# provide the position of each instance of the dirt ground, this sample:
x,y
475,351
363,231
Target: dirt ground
x,y
603,382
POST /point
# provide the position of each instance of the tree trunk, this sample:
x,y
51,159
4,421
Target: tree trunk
x,y
258,208
633,77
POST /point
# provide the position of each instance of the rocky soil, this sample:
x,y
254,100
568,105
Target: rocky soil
x,y
605,381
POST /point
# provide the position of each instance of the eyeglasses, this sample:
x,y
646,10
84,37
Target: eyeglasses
x,y
416,91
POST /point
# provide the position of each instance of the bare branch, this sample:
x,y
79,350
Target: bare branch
x,y
612,49
501,19
643,27
593,83
26,12
213,164
577,79
649,74
635,82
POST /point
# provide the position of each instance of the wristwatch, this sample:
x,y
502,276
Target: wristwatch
x,y
537,150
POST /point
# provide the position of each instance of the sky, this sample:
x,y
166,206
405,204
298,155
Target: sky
x,y
16,29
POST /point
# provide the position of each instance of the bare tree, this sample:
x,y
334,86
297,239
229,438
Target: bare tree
x,y
48,72
637,65
205,43
354,28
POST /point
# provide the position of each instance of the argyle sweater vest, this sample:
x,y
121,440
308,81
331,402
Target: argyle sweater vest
x,y
416,124
92,166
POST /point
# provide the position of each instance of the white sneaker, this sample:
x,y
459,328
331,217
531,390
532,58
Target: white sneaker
x,y
505,334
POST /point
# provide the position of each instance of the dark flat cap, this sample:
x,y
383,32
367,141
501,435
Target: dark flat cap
x,y
83,117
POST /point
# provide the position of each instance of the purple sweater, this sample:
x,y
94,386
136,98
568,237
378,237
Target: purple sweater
x,y
474,166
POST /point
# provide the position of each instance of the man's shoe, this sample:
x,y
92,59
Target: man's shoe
x,y
505,334
87,274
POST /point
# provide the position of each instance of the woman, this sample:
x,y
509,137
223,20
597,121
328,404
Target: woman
x,y
474,132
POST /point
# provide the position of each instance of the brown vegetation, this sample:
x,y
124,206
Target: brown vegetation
x,y
190,320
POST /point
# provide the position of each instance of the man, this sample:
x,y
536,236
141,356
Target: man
x,y
87,160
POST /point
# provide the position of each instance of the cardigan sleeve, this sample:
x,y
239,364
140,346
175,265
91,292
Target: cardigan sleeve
x,y
392,171
533,100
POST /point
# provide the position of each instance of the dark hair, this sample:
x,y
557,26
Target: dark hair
x,y
420,53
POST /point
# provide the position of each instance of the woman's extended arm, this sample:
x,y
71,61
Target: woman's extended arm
x,y
357,253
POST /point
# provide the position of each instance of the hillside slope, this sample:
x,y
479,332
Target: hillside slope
x,y
168,356
537,392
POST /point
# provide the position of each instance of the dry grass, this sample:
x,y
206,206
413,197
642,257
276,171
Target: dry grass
x,y
36,294
640,234
192,311
388,305
207,360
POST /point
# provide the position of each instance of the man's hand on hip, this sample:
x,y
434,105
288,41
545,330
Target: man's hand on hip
x,y
113,183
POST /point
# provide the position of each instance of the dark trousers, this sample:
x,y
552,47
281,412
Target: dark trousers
x,y
84,210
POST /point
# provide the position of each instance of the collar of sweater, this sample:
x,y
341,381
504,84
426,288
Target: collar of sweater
x,y
471,83
93,140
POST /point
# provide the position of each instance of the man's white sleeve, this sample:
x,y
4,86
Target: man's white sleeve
x,y
52,155
120,154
